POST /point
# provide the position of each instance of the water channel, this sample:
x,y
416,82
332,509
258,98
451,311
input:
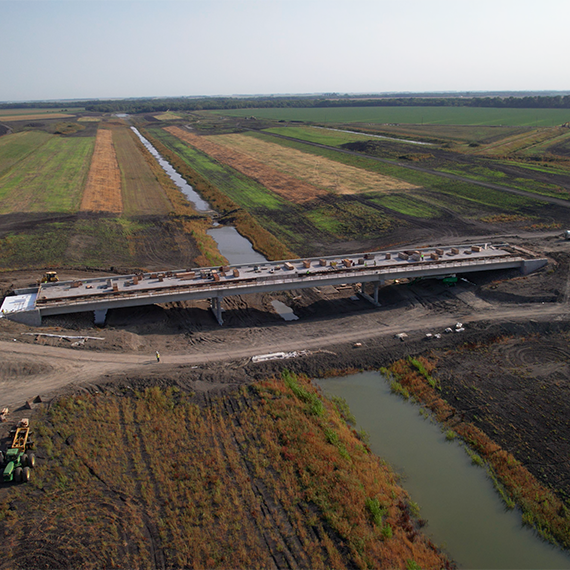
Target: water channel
x,y
464,512
369,135
231,244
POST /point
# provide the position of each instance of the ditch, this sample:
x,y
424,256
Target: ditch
x,y
231,244
464,512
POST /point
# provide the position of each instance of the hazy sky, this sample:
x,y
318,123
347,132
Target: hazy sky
x,y
121,48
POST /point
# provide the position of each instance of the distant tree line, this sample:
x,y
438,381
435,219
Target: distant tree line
x,y
133,106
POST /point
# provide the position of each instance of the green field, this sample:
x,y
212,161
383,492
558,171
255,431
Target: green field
x,y
318,135
467,198
242,190
415,115
16,147
16,112
46,174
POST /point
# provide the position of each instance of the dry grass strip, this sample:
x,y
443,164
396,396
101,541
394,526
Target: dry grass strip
x,y
283,184
318,171
103,189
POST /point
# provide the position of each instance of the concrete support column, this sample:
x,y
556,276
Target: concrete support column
x,y
99,316
216,306
373,300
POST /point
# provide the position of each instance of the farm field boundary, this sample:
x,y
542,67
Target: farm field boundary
x,y
287,186
317,171
399,167
103,189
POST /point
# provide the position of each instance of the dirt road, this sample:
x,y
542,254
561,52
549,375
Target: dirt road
x,y
31,369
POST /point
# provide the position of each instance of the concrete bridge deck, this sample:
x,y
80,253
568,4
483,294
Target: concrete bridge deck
x,y
101,294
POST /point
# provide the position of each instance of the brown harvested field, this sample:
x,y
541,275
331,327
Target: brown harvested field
x,y
32,117
103,189
316,170
283,184
141,191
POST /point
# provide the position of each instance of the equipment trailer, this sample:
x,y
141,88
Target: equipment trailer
x,y
17,463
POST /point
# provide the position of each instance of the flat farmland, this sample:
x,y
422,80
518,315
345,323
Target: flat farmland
x,y
35,116
142,194
242,190
50,175
285,185
50,216
317,171
303,228
103,188
16,147
23,112
413,115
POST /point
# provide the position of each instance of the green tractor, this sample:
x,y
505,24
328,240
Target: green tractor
x,y
17,466
18,462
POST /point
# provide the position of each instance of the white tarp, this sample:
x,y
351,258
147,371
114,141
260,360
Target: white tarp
x,y
18,303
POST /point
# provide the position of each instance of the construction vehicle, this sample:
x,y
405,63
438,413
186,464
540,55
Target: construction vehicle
x,y
18,462
50,277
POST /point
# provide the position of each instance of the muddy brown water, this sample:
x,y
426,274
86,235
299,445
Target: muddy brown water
x,y
464,512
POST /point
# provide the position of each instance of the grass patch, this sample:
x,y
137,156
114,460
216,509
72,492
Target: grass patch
x,y
477,116
408,205
16,147
49,179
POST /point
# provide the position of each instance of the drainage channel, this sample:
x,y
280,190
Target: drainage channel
x,y
463,510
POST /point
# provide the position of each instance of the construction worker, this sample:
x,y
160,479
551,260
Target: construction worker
x,y
157,356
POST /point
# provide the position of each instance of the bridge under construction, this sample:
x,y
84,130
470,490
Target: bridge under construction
x,y
215,283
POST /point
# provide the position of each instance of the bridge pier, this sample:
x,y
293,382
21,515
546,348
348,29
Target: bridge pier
x,y
216,306
374,298
99,316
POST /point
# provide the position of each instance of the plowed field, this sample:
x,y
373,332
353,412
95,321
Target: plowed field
x,y
283,184
103,189
316,170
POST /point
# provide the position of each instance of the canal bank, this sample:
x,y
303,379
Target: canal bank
x,y
231,244
464,512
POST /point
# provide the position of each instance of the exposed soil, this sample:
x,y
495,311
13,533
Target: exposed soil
x,y
437,158
507,372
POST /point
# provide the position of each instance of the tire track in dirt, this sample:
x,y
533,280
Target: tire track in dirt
x,y
74,367
272,511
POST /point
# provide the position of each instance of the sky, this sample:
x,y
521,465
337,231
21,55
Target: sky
x,y
75,49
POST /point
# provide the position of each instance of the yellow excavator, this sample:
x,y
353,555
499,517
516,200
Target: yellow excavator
x,y
50,277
